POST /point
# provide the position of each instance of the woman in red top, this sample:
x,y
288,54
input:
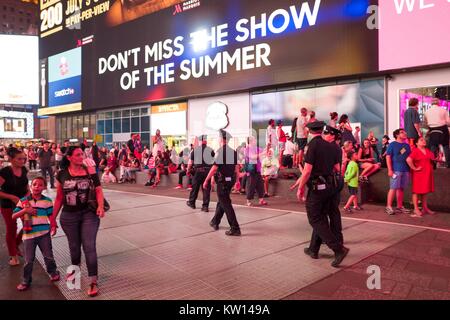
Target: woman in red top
x,y
420,161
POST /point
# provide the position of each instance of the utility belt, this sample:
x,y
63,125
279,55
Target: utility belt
x,y
224,180
320,183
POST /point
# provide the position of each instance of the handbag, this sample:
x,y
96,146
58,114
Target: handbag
x,y
92,197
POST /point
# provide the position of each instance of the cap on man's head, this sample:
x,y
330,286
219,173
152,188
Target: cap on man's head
x,y
279,122
331,130
316,125
224,135
203,137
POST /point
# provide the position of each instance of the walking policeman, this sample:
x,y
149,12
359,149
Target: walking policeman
x,y
321,161
225,170
200,160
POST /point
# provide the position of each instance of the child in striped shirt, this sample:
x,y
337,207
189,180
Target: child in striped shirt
x,y
35,210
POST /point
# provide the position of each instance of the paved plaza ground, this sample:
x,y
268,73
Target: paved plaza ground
x,y
152,246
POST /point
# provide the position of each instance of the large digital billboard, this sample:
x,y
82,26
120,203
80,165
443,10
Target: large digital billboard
x,y
19,125
19,70
413,33
178,49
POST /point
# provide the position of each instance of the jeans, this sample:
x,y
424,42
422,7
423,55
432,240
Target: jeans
x,y
254,184
48,170
45,245
81,230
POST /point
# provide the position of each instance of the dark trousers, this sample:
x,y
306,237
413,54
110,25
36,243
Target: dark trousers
x,y
48,170
318,211
45,245
335,220
224,206
439,136
254,184
197,183
180,178
33,164
81,230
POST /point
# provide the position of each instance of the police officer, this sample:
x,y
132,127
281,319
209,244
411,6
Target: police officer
x,y
225,170
321,161
200,160
332,135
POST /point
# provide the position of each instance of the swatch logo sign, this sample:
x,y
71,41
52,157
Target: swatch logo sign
x,y
64,92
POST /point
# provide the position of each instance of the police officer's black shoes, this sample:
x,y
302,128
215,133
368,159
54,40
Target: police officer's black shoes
x,y
233,232
205,209
339,257
190,205
310,253
214,226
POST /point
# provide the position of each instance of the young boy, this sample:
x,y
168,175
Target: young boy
x,y
35,210
352,177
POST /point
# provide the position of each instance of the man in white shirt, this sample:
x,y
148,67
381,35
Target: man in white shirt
x,y
289,152
438,121
302,133
271,136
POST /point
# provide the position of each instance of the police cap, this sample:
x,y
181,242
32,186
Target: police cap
x,y
316,125
224,135
331,130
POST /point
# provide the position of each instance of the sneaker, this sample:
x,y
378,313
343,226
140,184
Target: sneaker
x,y
148,184
233,232
93,290
189,187
263,202
348,210
403,210
23,287
55,277
179,186
357,208
249,203
266,195
389,211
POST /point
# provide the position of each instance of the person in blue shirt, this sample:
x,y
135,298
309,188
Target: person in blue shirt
x,y
398,171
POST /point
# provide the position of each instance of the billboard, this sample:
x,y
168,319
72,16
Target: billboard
x,y
19,70
202,47
18,125
411,33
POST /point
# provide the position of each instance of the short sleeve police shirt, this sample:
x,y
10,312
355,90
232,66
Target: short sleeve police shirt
x,y
322,156
226,159
202,156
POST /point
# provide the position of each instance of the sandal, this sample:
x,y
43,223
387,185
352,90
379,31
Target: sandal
x,y
93,290
13,262
23,287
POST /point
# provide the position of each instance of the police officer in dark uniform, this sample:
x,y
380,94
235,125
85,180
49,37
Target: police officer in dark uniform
x,y
200,161
321,161
225,170
331,135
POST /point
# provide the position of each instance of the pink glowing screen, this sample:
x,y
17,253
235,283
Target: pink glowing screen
x,y
413,33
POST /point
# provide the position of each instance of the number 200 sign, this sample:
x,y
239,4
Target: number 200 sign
x,y
51,17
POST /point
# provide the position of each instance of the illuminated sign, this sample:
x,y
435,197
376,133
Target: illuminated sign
x,y
217,116
16,124
209,47
176,107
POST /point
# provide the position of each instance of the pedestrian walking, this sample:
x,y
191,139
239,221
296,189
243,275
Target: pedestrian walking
x,y
321,161
78,220
45,156
201,160
225,170
14,185
35,210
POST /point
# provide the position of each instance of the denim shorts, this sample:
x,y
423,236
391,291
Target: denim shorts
x,y
400,181
353,191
